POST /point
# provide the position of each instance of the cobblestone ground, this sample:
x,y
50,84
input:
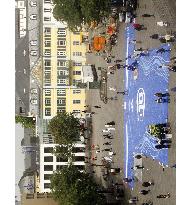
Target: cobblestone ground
x,y
164,10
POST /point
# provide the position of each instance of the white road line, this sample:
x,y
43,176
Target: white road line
x,y
126,136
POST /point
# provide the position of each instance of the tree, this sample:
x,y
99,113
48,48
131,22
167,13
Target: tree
x,y
77,12
69,186
64,128
26,122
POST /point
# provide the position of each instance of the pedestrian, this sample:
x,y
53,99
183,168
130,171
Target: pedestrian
x,y
162,50
137,167
94,158
108,137
133,200
97,106
107,143
105,135
139,27
111,128
162,146
162,100
138,156
161,23
112,153
111,72
148,15
144,192
131,68
143,54
112,98
125,92
163,196
112,88
172,68
173,166
154,36
85,111
160,95
106,131
111,123
118,61
135,41
148,203
147,184
92,113
107,150
86,106
128,179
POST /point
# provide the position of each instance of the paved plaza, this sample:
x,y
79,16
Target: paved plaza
x,y
163,176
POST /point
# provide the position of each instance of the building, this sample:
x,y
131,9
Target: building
x,y
63,55
38,199
50,162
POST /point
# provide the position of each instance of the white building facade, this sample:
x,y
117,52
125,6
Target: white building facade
x,y
50,163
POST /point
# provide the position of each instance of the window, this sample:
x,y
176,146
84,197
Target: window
x,y
47,30
46,185
47,43
61,43
61,109
76,72
48,167
76,101
77,53
33,43
62,72
76,111
47,111
47,10
47,18
76,43
47,62
61,63
61,101
48,159
47,72
33,53
47,176
47,81
61,92
77,64
47,1
61,31
33,3
61,81
48,149
79,158
33,17
76,91
47,52
48,101
61,53
75,82
47,92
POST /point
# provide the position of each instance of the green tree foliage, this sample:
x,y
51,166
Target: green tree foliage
x,y
26,122
77,12
71,187
64,128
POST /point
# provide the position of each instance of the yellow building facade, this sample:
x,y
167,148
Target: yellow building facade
x,y
63,54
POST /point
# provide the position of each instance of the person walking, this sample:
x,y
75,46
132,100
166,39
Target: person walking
x,y
162,100
97,106
108,137
148,15
144,192
163,196
160,95
135,41
138,156
86,106
125,92
107,150
137,167
162,50
128,180
147,184
111,123
118,61
173,166
139,27
154,36
85,111
163,146
107,143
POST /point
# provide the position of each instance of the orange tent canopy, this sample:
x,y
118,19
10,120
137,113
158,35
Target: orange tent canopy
x,y
99,43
